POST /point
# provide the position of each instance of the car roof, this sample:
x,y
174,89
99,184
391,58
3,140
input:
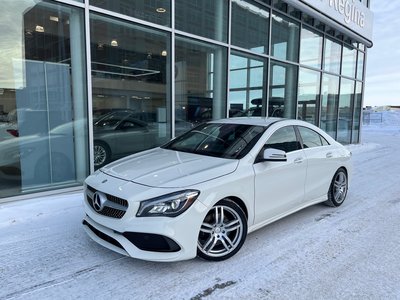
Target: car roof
x,y
260,121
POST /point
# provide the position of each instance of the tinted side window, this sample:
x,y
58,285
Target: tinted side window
x,y
311,138
284,139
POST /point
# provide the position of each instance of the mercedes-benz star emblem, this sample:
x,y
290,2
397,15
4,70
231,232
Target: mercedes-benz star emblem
x,y
98,201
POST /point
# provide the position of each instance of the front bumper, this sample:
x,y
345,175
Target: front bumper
x,y
177,236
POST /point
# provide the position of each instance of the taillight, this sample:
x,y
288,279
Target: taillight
x,y
13,132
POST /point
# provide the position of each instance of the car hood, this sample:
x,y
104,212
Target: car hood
x,y
169,169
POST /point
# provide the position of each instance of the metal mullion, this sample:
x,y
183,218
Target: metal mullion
x,y
362,96
228,58
264,111
239,49
200,38
89,87
72,2
353,110
172,84
337,108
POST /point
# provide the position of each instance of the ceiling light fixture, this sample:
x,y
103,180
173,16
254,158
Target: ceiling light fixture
x,y
114,43
164,53
53,18
161,10
39,28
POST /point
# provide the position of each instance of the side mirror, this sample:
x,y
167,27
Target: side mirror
x,y
272,154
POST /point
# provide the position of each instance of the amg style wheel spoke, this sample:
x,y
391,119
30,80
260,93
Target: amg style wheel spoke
x,y
235,224
207,228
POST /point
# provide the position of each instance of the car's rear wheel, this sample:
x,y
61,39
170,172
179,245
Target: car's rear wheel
x,y
338,190
102,154
222,232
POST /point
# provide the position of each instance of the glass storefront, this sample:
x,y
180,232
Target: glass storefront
x,y
285,38
282,90
346,102
206,18
158,12
151,70
200,78
250,26
130,88
247,92
43,101
311,48
308,95
329,103
332,56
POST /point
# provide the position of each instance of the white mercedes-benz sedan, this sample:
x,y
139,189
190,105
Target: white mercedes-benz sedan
x,y
204,191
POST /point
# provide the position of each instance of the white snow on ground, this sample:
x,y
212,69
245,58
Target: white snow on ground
x,y
319,253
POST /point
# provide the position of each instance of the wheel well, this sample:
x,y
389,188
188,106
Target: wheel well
x,y
239,202
344,168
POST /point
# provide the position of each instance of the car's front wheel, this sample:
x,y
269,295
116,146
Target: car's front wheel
x,y
338,190
222,232
102,154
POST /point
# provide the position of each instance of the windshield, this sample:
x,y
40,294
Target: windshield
x,y
111,120
219,140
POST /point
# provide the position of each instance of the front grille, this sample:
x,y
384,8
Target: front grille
x,y
117,200
108,209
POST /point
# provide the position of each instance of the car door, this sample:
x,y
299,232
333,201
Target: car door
x,y
279,186
321,163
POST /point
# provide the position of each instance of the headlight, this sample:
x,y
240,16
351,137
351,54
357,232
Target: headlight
x,y
170,205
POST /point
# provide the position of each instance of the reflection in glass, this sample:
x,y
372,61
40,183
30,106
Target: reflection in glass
x,y
346,100
248,76
282,91
310,48
308,95
285,38
329,103
130,88
332,57
200,80
357,112
207,18
250,26
158,12
349,61
43,120
360,65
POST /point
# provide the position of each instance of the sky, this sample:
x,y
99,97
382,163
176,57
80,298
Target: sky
x,y
382,82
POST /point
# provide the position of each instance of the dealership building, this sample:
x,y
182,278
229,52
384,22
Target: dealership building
x,y
83,83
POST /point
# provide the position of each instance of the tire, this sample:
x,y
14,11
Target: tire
x,y
338,189
221,238
102,154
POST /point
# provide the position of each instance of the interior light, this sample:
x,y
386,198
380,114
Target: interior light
x,y
161,10
164,53
114,43
39,28
53,18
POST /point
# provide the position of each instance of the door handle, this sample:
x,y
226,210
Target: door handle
x,y
329,155
298,160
